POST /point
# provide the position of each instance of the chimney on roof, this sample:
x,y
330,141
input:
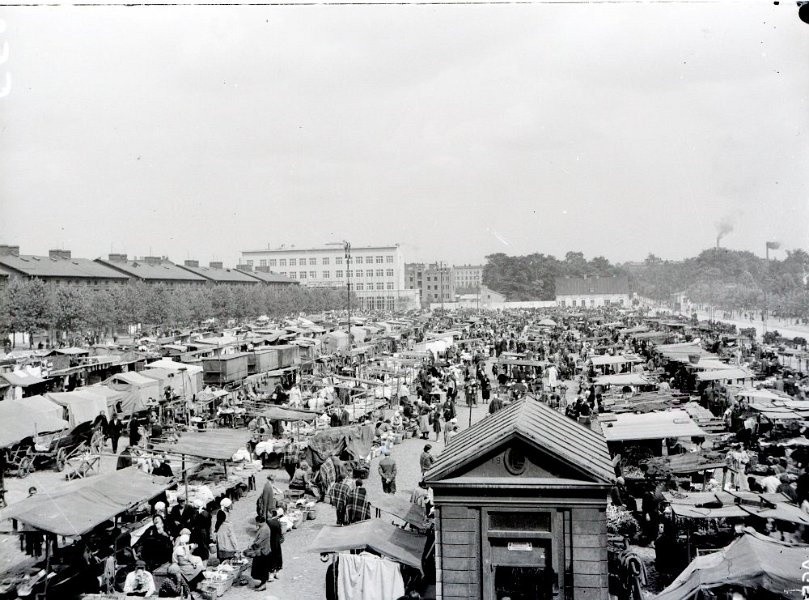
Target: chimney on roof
x,y
117,257
65,254
6,250
153,260
261,269
215,264
244,267
191,263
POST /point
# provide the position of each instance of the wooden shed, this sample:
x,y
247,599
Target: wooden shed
x,y
521,502
228,368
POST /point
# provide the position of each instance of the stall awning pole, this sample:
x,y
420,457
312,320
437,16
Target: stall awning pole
x,y
185,478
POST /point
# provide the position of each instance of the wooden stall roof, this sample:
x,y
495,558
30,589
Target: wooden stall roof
x,y
388,540
218,444
544,427
649,426
607,359
722,374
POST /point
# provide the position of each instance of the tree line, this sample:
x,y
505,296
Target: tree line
x,y
31,306
728,279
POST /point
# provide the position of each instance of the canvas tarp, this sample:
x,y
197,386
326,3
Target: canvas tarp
x,y
217,444
82,405
79,506
405,547
41,404
19,421
280,413
192,374
752,561
334,341
137,388
622,379
356,439
649,426
116,401
402,508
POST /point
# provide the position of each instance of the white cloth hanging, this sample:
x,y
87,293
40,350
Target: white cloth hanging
x,y
368,577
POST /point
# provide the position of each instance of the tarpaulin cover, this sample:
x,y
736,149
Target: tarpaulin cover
x,y
753,561
18,421
83,405
402,508
137,389
114,399
279,413
41,404
217,444
650,426
81,505
622,379
388,540
356,439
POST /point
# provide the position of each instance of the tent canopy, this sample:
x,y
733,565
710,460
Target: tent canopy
x,y
623,379
650,426
82,405
752,560
723,374
79,506
217,444
280,413
19,421
388,540
356,439
41,404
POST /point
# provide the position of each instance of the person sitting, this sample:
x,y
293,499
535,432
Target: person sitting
x,y
139,582
302,480
188,563
174,586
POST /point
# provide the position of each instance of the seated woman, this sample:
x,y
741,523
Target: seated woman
x,y
155,547
188,563
302,480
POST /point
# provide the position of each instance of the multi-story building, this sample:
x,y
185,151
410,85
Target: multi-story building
x,y
439,284
414,276
59,268
467,278
376,273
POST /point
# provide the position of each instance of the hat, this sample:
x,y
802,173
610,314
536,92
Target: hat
x,y
180,499
784,478
225,503
160,505
185,531
139,564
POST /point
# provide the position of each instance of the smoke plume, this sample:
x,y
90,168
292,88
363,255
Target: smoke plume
x,y
723,227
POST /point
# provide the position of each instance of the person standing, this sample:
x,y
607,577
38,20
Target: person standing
x,y
276,539
357,506
339,497
266,501
226,544
114,429
261,551
426,459
387,471
435,416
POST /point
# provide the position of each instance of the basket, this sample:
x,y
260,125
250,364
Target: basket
x,y
293,494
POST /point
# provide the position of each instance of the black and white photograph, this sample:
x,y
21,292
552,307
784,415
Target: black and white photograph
x,y
404,299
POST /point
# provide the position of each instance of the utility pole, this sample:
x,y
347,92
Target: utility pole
x,y
441,284
347,247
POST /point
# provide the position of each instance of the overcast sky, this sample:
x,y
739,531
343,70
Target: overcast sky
x,y
456,131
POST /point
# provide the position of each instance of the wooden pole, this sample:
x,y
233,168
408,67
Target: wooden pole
x,y
185,478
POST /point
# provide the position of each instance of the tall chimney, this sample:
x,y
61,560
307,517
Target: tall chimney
x,y
191,263
6,250
64,254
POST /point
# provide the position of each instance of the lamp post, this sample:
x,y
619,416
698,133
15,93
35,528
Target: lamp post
x,y
347,249
767,247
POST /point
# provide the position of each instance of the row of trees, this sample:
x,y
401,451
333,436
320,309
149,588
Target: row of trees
x,y
728,279
31,305
532,277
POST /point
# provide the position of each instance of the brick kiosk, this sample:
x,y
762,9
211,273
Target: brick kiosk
x,y
521,502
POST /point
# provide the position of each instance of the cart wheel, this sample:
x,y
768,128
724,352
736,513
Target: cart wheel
x,y
60,459
26,466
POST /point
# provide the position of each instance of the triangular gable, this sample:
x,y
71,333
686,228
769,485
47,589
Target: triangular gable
x,y
563,441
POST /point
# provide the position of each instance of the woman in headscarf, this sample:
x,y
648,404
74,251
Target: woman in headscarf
x,y
302,480
155,544
189,564
226,544
276,539
261,551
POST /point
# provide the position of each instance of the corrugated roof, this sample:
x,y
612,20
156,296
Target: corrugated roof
x,y
581,286
162,271
221,275
545,428
44,266
272,277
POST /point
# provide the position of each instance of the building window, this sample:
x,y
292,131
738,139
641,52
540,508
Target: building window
x,y
391,302
338,260
262,262
389,259
312,261
359,287
283,273
325,260
293,262
272,262
312,274
369,273
389,285
282,262
358,259
389,272
380,260
326,275
293,275
349,273
380,302
380,286
338,274
380,272
250,262
303,274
